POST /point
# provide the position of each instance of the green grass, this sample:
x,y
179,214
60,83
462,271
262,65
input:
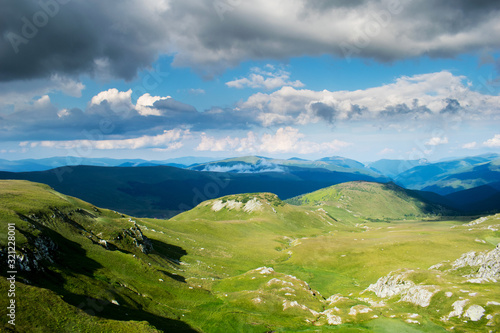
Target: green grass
x,y
370,201
202,275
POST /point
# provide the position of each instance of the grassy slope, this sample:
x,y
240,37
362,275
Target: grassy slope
x,y
217,255
371,201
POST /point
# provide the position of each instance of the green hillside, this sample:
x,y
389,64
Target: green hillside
x,y
244,263
371,201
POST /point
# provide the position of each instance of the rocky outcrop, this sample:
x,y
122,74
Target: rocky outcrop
x,y
30,259
395,284
138,239
250,206
487,263
474,312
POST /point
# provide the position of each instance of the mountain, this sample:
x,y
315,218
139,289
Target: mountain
x,y
255,164
484,198
392,168
27,165
450,176
244,263
466,178
163,191
43,164
373,201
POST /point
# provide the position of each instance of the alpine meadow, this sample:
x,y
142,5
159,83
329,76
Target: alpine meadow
x,y
224,166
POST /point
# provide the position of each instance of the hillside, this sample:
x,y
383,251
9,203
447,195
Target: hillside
x,y
163,191
373,201
244,263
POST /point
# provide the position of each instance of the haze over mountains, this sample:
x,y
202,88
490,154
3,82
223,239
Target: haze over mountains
x,y
166,188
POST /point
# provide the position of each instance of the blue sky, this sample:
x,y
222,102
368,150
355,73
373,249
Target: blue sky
x,y
365,79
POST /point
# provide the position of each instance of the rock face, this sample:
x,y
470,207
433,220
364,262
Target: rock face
x,y
488,264
44,249
398,285
139,240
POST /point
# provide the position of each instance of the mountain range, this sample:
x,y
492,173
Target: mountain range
x,y
146,188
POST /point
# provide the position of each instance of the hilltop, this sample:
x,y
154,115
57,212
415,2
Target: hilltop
x,y
373,201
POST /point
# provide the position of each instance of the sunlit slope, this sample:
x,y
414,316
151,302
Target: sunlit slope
x,y
372,201
86,269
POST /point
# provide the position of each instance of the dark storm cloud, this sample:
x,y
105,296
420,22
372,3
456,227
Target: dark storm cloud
x,y
42,38
115,39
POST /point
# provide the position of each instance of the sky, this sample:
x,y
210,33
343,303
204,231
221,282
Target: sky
x,y
159,79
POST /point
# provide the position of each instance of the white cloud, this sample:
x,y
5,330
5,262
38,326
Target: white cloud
x,y
470,145
493,142
426,97
144,105
168,140
436,141
285,140
211,144
265,79
119,101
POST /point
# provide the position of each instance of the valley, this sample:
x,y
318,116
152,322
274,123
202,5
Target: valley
x,y
253,263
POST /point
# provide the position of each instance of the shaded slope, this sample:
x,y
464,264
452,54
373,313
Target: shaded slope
x,y
166,191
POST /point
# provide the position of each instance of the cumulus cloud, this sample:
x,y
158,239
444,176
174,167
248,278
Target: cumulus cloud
x,y
493,142
112,112
119,101
269,79
424,97
436,141
285,140
92,37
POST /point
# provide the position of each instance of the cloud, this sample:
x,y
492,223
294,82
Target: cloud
x,y
493,142
265,79
119,101
386,151
285,140
261,166
470,145
436,141
16,94
112,113
426,97
168,140
42,38
197,91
